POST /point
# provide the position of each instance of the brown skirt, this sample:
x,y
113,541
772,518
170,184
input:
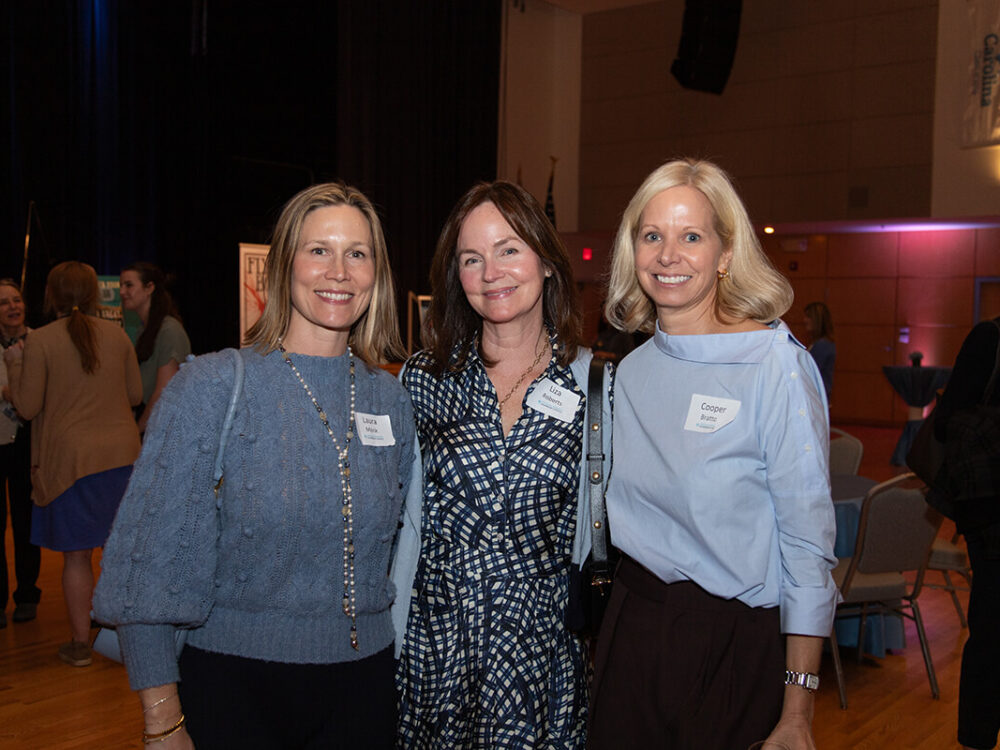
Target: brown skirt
x,y
679,668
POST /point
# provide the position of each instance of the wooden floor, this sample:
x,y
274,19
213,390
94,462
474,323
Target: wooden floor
x,y
49,705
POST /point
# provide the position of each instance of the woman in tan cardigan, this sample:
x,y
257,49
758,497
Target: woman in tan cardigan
x,y
76,379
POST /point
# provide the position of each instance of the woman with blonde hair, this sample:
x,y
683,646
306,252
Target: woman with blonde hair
x,y
77,379
719,497
280,576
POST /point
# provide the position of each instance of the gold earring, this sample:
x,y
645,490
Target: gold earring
x,y
723,274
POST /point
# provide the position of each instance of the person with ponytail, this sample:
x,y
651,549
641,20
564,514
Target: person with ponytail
x,y
163,344
77,378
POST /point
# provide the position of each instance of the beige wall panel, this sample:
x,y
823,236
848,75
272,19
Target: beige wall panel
x,y
601,207
891,141
817,196
640,118
935,301
898,88
819,98
988,252
758,17
862,301
738,152
886,38
648,26
815,49
625,163
629,72
861,397
869,254
893,192
820,147
862,348
937,254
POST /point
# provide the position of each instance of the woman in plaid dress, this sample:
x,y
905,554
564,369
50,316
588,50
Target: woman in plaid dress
x,y
487,661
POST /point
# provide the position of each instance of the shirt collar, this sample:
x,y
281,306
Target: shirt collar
x,y
723,348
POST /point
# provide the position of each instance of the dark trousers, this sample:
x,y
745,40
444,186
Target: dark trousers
x,y
233,702
15,472
979,686
679,668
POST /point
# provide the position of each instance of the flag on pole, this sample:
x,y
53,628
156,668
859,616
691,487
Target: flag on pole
x,y
550,204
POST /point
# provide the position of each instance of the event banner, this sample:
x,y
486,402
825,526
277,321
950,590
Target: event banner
x,y
981,121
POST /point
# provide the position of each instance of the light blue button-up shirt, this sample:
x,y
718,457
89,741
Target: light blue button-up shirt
x,y
720,470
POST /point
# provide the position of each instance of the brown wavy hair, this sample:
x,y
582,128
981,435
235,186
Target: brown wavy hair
x,y
453,321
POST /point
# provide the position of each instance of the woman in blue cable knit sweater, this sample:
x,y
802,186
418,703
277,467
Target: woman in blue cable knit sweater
x,y
283,581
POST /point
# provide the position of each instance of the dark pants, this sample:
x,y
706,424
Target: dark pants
x,y
679,668
15,471
232,702
979,685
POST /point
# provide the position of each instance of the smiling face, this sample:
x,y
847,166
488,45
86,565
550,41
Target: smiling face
x,y
503,278
11,311
135,295
678,255
333,275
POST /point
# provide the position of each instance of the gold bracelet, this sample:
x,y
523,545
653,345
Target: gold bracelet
x,y
148,738
151,706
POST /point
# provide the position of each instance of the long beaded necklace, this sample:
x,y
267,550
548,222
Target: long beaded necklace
x,y
350,600
524,374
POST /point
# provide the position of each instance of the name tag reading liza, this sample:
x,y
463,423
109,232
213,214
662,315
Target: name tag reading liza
x,y
710,413
374,429
553,401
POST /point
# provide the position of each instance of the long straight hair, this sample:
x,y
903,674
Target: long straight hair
x,y
161,304
71,292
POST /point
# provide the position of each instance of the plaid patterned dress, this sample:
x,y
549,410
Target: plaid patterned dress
x,y
487,661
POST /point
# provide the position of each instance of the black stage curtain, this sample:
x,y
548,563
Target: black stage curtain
x,y
173,131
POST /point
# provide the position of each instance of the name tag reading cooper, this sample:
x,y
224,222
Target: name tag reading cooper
x,y
710,413
374,429
554,401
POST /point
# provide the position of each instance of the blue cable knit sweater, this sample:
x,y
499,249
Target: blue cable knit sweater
x,y
260,574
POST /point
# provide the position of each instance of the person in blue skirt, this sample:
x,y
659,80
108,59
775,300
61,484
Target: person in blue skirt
x,y
77,379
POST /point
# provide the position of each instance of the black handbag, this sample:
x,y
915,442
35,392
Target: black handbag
x,y
966,465
590,584
972,448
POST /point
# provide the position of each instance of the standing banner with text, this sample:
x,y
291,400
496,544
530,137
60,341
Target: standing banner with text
x,y
981,120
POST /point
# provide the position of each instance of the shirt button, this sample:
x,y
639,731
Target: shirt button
x,y
802,412
793,375
808,447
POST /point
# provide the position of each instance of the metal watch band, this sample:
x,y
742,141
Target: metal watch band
x,y
802,679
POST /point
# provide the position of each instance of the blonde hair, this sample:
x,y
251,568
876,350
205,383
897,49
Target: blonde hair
x,y
375,336
753,289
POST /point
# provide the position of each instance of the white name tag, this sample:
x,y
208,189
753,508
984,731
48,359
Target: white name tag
x,y
373,429
553,401
710,413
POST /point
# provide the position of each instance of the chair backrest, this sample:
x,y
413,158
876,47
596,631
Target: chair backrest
x,y
845,452
896,529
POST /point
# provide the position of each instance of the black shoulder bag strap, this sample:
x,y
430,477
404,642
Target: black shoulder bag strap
x,y
595,472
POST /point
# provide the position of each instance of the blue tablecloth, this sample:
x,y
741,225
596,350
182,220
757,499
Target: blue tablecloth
x,y
881,633
917,386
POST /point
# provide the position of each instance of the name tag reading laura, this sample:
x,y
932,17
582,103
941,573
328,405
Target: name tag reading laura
x,y
374,429
710,413
550,399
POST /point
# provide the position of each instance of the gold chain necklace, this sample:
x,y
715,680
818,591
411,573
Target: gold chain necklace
x,y
524,374
349,602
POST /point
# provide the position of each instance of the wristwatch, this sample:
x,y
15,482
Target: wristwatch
x,y
803,679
